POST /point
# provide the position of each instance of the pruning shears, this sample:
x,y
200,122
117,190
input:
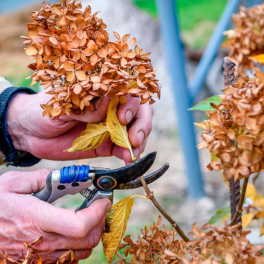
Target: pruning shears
x,y
74,179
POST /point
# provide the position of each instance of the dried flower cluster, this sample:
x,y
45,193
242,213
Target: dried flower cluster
x,y
210,245
76,60
247,38
234,134
151,246
33,255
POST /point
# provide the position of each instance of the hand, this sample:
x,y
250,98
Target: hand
x,y
24,217
46,138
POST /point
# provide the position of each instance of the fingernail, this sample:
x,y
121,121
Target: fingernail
x,y
141,137
128,116
98,102
108,207
136,152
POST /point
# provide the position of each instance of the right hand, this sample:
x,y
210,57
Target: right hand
x,y
24,217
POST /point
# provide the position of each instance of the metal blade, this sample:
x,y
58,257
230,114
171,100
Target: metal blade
x,y
149,179
127,173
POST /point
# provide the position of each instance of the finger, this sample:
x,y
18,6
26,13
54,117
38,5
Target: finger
x,y
98,115
67,222
59,242
105,149
54,148
124,154
141,150
126,113
141,126
25,182
137,152
143,146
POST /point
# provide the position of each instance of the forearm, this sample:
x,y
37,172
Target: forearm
x,y
11,133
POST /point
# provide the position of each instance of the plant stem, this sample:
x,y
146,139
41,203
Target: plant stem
x,y
237,217
229,72
163,212
234,186
234,193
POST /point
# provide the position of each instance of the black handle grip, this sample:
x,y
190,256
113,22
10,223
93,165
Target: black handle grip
x,y
45,193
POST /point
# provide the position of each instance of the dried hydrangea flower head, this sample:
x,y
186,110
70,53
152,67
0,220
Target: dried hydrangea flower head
x,y
75,59
209,245
246,39
234,134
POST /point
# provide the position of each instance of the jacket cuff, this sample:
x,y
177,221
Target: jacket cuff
x,y
12,156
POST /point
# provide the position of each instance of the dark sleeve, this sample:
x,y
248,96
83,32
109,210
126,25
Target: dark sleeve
x,y
12,156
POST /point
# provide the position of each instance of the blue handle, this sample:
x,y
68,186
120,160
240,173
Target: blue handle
x,y
74,174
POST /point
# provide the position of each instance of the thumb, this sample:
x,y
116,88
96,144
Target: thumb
x,y
25,182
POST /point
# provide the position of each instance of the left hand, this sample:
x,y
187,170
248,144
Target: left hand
x,y
46,138
24,217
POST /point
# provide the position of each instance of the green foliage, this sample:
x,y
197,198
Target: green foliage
x,y
22,82
206,104
219,215
190,11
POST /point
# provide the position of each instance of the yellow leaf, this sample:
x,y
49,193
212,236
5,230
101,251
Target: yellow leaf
x,y
262,230
251,192
259,203
259,214
117,131
202,125
116,223
246,219
257,58
91,138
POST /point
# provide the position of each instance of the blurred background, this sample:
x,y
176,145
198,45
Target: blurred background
x,y
141,18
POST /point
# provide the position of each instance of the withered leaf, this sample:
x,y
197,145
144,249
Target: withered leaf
x,y
117,36
262,230
132,42
116,223
31,51
91,138
246,219
117,131
65,255
258,58
81,76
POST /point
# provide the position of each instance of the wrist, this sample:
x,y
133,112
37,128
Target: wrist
x,y
15,121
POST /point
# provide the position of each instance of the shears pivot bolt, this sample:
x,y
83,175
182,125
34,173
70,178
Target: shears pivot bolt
x,y
107,183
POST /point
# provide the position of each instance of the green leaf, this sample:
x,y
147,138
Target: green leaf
x,y
221,213
206,104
